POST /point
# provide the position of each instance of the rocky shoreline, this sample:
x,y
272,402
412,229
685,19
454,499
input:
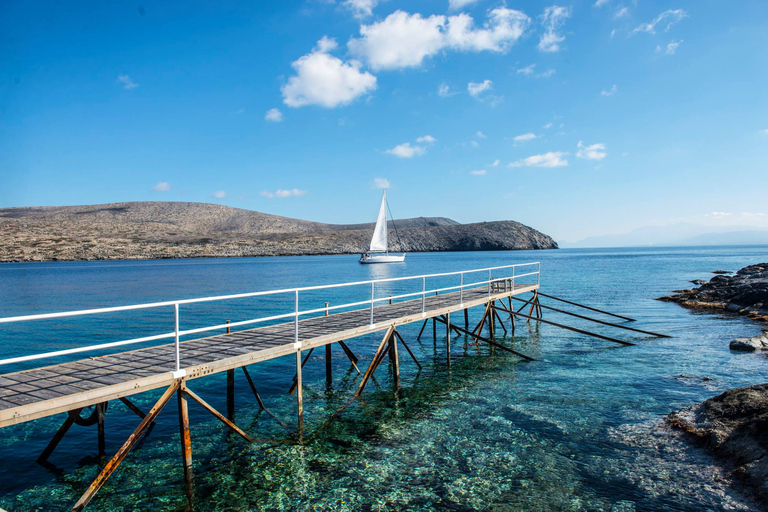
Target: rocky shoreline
x,y
733,426
162,230
745,293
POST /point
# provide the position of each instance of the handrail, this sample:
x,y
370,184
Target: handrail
x,y
178,333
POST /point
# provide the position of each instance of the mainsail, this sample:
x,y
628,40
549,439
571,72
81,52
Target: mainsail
x,y
379,240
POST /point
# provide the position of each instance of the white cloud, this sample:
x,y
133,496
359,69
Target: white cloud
x,y
474,144
477,88
444,91
480,135
753,215
405,150
610,92
219,194
426,138
360,8
719,215
600,3
381,183
496,163
672,47
551,159
524,137
162,186
460,4
280,193
763,132
593,152
669,17
547,126
324,80
530,71
127,82
621,13
553,20
273,115
239,111
480,172
403,40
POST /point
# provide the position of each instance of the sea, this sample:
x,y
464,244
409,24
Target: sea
x,y
581,428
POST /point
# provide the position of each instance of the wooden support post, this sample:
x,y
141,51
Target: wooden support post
x,y
100,413
374,362
448,336
258,397
328,367
418,338
115,461
466,319
491,342
59,435
395,360
498,317
299,394
533,305
511,316
408,349
351,356
231,394
491,323
217,414
434,328
228,331
295,380
186,443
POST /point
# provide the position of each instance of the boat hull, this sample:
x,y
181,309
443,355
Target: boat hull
x,y
382,258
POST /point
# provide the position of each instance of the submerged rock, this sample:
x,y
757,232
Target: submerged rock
x,y
746,293
759,342
734,427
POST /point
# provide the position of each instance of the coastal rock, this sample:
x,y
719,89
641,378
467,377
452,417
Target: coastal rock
x,y
722,272
745,293
759,342
154,230
734,427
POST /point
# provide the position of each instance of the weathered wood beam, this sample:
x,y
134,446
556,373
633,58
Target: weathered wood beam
x,y
408,349
217,414
186,443
374,362
59,435
258,397
587,307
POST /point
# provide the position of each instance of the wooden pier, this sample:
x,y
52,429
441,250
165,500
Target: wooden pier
x,y
72,386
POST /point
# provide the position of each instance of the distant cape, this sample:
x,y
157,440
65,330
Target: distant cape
x,y
159,229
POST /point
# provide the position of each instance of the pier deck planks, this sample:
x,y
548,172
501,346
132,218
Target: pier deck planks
x,y
41,392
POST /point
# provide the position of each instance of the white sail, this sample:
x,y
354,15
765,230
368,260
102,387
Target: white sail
x,y
379,240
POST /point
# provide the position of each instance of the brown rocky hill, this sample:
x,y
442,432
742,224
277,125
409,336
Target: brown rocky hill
x,y
143,230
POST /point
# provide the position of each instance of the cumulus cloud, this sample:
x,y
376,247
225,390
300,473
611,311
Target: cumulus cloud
x,y
127,82
324,80
600,3
719,215
496,163
477,88
280,193
360,8
460,4
403,40
610,92
381,183
530,71
593,152
550,159
444,91
669,17
273,115
524,137
553,20
547,126
671,47
426,138
219,194
162,186
621,13
480,172
405,150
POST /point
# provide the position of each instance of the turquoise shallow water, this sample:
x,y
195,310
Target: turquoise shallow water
x,y
580,429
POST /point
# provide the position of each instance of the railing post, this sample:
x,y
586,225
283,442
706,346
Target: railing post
x,y
538,274
461,289
513,277
489,283
296,318
176,328
371,302
423,293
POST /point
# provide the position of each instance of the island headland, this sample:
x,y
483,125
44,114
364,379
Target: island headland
x,y
159,229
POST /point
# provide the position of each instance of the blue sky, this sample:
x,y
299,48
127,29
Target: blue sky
x,y
578,118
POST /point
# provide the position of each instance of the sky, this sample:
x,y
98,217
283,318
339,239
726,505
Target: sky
x,y
578,118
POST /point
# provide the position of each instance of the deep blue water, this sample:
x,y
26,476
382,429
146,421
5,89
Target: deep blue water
x,y
579,429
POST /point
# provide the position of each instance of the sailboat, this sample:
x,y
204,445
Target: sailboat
x,y
379,240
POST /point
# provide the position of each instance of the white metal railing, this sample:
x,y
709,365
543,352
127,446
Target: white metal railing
x,y
295,314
